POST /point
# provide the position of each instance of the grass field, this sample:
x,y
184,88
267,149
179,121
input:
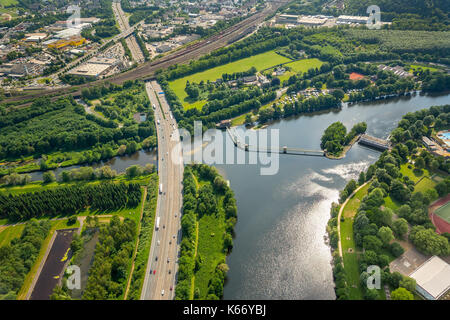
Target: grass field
x,y
443,212
8,2
304,65
414,67
260,62
424,184
414,175
210,244
9,233
351,258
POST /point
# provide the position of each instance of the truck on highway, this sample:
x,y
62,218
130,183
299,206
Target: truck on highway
x,y
157,223
160,188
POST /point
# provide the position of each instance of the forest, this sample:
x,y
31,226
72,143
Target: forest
x,y
105,196
17,258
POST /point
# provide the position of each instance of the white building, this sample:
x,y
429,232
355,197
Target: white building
x,y
432,278
352,19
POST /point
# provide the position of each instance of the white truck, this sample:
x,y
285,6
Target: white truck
x,y
160,188
157,223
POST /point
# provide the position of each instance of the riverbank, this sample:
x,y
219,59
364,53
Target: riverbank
x,y
344,151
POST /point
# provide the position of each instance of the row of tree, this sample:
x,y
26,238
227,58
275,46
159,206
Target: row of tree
x,y
69,200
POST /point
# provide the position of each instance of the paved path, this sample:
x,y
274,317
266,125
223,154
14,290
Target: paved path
x,y
339,219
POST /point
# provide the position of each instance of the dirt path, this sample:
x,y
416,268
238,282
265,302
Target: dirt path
x,y
136,246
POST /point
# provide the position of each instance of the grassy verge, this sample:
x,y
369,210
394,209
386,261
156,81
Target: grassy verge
x,y
145,240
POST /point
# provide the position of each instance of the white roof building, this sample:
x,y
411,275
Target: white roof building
x,y
432,278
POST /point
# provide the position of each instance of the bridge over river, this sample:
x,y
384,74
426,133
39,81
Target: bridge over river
x,y
284,150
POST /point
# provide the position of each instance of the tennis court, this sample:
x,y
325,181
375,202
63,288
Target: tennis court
x,y
444,212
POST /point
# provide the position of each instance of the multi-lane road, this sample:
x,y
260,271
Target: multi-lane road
x,y
131,42
162,267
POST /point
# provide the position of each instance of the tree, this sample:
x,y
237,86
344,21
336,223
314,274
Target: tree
x,y
362,178
134,171
122,149
419,163
386,235
372,243
400,227
408,283
428,241
396,249
48,177
248,119
401,294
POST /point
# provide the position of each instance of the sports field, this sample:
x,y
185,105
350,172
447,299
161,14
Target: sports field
x,y
444,212
260,62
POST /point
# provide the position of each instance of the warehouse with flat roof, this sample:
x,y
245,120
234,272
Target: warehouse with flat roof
x,y
432,278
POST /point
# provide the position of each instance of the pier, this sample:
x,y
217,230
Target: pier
x,y
283,150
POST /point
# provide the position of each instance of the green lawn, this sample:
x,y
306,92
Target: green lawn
x,y
414,67
8,2
260,62
414,175
210,245
304,65
9,233
424,184
351,258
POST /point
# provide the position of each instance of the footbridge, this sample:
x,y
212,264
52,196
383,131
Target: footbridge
x,y
284,150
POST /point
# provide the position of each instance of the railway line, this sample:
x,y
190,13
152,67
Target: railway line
x,y
146,71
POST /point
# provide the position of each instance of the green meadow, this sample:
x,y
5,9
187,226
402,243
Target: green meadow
x,y
260,62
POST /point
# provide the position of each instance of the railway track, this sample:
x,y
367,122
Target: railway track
x,y
147,70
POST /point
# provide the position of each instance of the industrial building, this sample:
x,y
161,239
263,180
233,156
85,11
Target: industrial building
x,y
352,19
432,278
287,19
95,67
309,21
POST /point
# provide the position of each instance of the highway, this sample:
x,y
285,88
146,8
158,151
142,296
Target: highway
x,y
132,44
162,267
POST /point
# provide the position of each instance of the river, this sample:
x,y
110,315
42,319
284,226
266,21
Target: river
x,y
279,249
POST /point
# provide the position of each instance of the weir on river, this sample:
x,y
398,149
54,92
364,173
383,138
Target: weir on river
x,y
285,150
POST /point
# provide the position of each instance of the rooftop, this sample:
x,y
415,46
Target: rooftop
x,y
433,276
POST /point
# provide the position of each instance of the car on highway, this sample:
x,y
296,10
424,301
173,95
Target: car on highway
x,y
174,236
171,288
156,258
168,260
154,271
162,292
170,271
158,242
